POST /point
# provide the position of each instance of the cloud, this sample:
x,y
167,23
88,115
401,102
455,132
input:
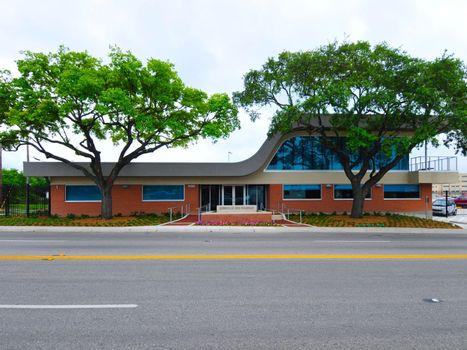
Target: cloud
x,y
214,43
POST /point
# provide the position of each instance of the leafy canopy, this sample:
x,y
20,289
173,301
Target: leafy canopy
x,y
369,94
71,99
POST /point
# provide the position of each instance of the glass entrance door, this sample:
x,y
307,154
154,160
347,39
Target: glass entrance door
x,y
210,196
233,195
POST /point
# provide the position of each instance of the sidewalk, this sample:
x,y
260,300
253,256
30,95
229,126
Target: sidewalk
x,y
460,219
225,229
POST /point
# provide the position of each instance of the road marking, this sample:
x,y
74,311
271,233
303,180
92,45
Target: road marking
x,y
102,306
233,257
337,241
29,241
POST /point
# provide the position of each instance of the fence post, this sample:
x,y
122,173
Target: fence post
x,y
28,197
49,201
7,203
170,214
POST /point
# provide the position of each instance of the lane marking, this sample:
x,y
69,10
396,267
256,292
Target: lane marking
x,y
29,241
234,257
329,241
102,306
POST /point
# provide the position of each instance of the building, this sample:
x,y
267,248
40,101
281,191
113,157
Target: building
x,y
454,189
288,172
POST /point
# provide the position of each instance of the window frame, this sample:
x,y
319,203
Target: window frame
x,y
161,200
401,198
303,199
349,199
66,200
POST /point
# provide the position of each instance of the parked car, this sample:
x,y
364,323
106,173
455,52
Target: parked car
x,y
461,201
439,207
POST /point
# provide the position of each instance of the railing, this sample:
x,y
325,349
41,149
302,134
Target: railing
x,y
185,209
433,163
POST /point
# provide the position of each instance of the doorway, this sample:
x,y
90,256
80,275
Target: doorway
x,y
233,195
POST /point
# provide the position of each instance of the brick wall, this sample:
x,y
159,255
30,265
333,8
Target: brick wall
x,y
129,200
126,200
328,204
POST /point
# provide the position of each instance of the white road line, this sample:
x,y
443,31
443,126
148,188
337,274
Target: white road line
x,y
102,306
323,241
29,241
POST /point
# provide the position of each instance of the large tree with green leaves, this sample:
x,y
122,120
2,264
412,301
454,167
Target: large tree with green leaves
x,y
72,100
378,98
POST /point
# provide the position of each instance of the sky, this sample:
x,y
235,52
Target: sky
x,y
213,43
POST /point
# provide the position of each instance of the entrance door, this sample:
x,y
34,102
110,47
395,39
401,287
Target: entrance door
x,y
256,195
233,195
210,196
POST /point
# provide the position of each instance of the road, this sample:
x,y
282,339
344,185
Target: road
x,y
277,303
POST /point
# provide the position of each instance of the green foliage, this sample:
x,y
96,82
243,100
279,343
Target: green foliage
x,y
379,98
16,177
69,100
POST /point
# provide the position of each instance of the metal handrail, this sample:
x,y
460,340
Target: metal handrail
x,y
433,163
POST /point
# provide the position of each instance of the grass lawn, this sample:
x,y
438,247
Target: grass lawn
x,y
140,220
371,221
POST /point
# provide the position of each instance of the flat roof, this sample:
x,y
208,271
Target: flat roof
x,y
141,169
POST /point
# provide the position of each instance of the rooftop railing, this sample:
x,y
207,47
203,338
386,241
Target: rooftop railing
x,y
433,163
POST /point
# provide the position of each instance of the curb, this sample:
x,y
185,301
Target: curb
x,y
220,229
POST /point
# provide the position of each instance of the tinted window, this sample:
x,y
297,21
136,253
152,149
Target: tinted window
x,y
307,153
401,191
302,191
163,192
345,192
82,193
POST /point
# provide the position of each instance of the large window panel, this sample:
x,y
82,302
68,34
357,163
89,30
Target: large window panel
x,y
302,191
401,191
345,192
163,193
82,193
307,153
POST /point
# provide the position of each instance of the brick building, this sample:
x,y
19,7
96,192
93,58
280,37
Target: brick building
x,y
289,172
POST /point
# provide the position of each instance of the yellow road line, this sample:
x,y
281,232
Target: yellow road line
x,y
230,257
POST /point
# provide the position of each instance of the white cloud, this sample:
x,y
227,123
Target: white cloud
x,y
213,43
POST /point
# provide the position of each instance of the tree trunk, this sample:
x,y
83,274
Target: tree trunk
x,y
106,204
358,201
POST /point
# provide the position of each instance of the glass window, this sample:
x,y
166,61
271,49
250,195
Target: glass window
x,y
82,193
345,192
163,193
401,191
307,153
302,191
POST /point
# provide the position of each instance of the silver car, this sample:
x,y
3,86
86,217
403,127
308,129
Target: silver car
x,y
439,207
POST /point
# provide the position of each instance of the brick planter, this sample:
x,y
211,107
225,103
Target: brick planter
x,y
238,219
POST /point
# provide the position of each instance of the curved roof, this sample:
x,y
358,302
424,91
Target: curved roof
x,y
255,163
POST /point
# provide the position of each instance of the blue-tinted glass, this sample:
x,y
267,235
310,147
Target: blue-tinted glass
x,y
302,191
307,153
401,191
82,193
345,192
162,192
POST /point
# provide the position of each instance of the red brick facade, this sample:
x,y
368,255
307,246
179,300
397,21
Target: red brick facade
x,y
328,204
128,200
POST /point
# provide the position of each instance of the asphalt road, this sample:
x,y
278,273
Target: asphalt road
x,y
234,304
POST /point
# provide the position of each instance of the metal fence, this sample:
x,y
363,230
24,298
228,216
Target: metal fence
x,y
18,201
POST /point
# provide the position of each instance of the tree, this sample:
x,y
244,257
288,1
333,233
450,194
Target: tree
x,y
72,100
15,177
380,99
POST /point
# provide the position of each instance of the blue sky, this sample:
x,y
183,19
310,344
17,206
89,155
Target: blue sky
x,y
213,43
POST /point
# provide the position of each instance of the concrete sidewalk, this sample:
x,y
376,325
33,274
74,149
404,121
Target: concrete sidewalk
x,y
229,229
460,219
